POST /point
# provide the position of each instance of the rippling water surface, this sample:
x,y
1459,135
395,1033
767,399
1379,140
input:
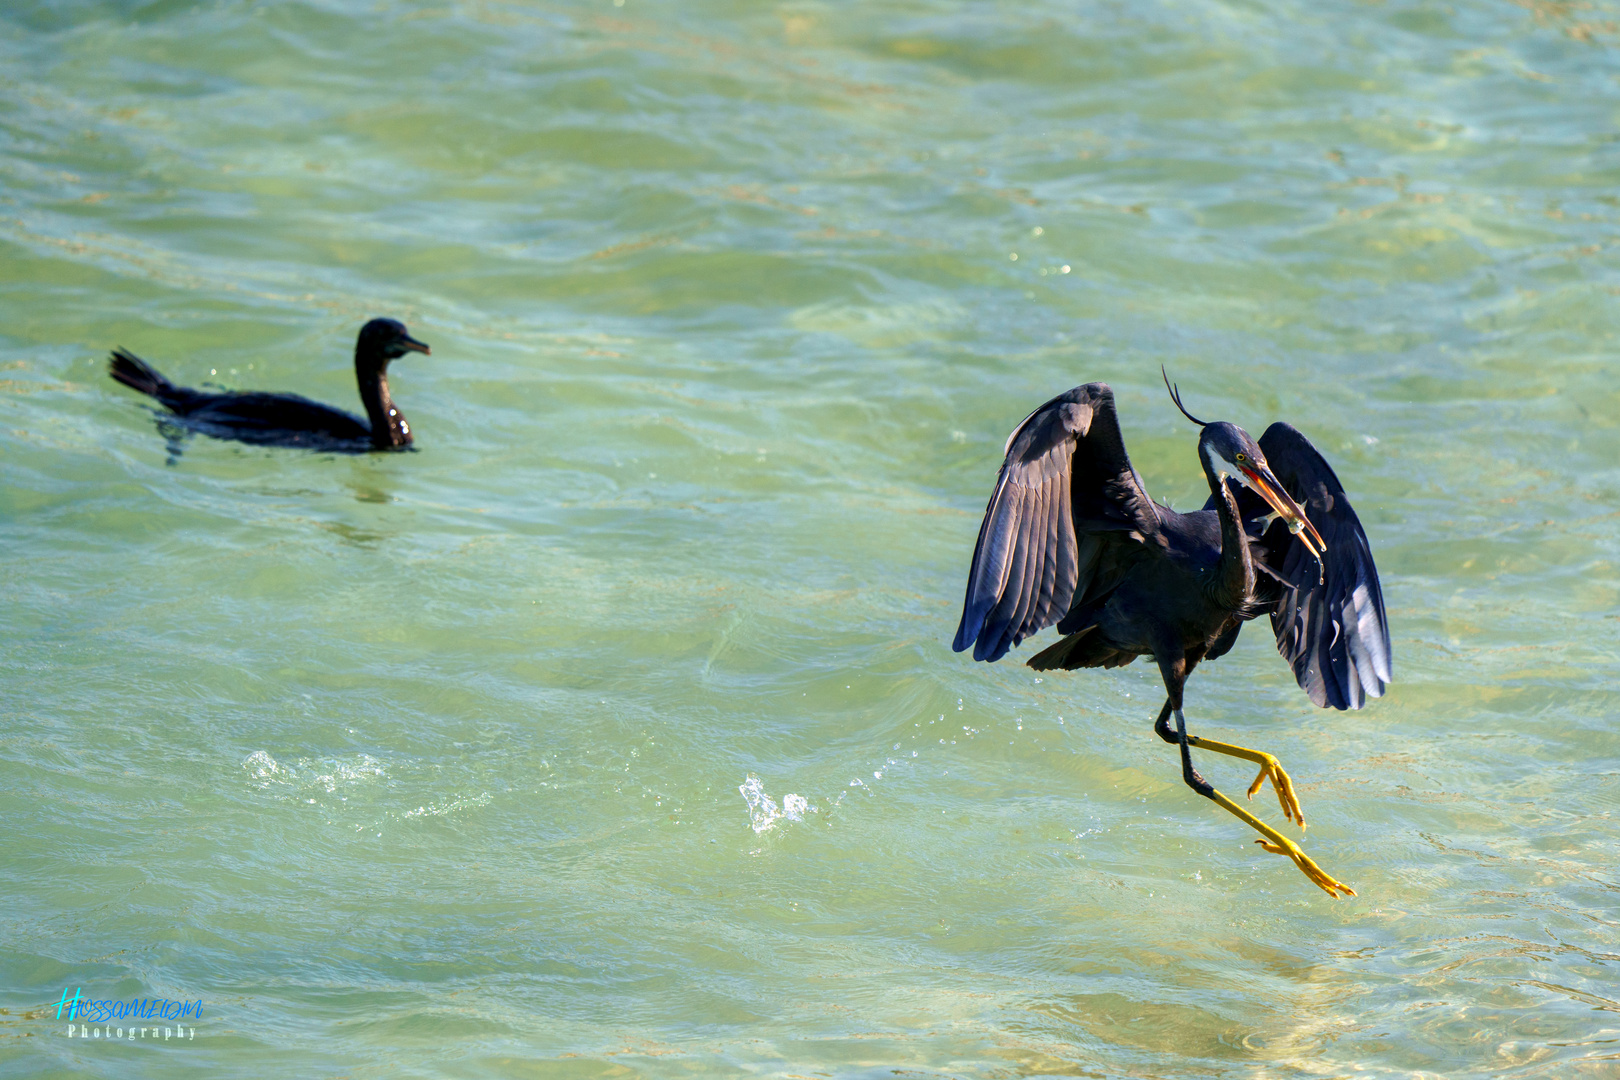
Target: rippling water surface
x,y
615,732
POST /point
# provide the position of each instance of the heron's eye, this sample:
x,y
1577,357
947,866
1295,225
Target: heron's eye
x,y
1242,457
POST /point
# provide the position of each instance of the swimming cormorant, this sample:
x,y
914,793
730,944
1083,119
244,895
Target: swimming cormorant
x,y
288,419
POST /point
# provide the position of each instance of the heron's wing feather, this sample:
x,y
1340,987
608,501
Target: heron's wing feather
x,y
1330,624
1066,476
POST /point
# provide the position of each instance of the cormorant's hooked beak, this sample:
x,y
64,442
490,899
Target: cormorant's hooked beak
x,y
410,344
1268,488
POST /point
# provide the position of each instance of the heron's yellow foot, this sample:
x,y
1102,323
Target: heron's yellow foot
x,y
1279,844
1326,881
1270,769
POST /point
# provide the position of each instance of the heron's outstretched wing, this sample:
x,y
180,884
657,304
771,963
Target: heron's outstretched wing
x,y
1330,622
1066,491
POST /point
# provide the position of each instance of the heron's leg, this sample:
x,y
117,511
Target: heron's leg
x,y
1270,769
1174,669
1175,677
1274,842
1162,728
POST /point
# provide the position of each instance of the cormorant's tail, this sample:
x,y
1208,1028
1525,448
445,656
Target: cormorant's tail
x,y
137,374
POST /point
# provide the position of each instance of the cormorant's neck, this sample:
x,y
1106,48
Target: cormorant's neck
x,y
389,431
1233,586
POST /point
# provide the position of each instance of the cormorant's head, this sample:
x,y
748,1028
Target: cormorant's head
x,y
1228,450
382,340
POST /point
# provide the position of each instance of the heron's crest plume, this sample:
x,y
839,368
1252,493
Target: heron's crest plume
x,y
1175,396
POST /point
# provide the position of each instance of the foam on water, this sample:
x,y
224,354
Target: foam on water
x,y
763,813
450,806
325,774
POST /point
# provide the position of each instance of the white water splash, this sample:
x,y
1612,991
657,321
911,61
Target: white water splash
x,y
261,766
763,813
448,806
327,774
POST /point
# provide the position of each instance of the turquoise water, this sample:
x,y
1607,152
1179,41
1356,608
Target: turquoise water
x,y
616,731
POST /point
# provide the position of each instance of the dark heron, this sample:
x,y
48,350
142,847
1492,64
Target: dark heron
x,y
288,419
1070,536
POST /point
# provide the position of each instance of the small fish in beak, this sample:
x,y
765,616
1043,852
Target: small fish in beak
x,y
1270,489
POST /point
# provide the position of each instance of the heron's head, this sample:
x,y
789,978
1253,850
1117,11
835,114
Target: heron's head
x,y
1228,450
382,340
1231,452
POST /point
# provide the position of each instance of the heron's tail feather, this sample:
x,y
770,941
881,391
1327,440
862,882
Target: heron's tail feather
x,y
1080,650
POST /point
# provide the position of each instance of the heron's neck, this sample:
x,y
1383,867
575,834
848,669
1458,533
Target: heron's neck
x,y
1233,586
389,431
